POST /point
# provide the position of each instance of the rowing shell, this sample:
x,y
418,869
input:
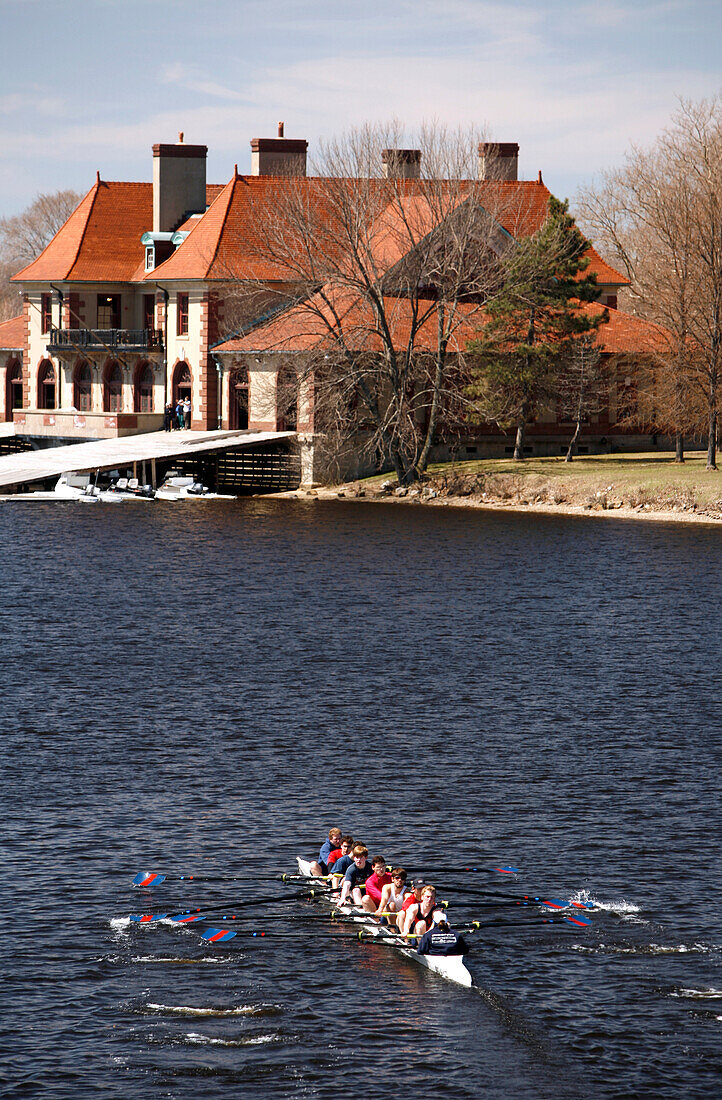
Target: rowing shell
x,y
450,967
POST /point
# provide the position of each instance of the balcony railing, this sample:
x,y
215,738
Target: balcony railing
x,y
140,339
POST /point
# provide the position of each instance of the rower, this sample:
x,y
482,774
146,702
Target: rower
x,y
338,867
441,939
356,875
375,883
392,896
413,897
319,866
420,914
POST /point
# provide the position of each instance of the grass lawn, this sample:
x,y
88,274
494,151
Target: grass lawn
x,y
654,473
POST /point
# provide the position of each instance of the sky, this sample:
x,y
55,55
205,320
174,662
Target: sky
x,y
92,84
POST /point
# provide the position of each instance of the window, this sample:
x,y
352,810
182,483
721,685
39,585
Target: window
x,y
83,383
46,385
113,389
182,307
287,400
238,395
14,394
108,311
46,312
149,312
143,391
149,257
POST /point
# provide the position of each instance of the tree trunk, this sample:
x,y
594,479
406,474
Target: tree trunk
x,y
712,437
679,447
572,442
519,442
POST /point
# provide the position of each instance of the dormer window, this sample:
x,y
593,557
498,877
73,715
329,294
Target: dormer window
x,y
149,257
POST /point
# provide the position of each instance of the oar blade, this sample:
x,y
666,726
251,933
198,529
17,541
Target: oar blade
x,y
583,921
217,935
148,878
147,918
186,918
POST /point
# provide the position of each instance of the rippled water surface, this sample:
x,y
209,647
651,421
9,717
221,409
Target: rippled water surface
x,y
204,689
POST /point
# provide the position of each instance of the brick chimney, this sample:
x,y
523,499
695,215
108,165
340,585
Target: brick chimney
x,y
279,156
498,160
179,183
401,163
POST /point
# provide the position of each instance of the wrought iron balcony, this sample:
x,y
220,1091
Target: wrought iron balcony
x,y
130,339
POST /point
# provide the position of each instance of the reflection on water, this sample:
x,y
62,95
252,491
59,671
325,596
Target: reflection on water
x,y
204,691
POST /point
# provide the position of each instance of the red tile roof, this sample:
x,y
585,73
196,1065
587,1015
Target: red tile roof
x,y
308,327
100,242
12,334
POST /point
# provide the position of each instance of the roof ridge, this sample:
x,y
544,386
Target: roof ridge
x,y
232,187
95,188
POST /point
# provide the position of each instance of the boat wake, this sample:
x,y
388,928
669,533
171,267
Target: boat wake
x,y
252,1041
646,949
188,1010
215,960
699,994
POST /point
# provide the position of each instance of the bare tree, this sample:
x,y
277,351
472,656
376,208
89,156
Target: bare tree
x,y
24,236
385,271
660,215
582,386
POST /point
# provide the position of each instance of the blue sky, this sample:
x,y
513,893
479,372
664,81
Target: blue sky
x,y
92,84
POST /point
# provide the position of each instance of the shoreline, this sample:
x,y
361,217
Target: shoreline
x,y
354,492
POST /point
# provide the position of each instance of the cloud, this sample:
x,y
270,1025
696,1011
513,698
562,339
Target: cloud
x,y
194,79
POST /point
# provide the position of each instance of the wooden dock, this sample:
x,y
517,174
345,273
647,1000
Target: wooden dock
x,y
25,467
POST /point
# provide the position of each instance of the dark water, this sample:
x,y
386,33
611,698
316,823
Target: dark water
x,y
206,689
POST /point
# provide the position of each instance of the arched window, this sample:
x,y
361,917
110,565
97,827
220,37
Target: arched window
x,y
83,387
287,400
238,399
113,388
13,389
182,383
143,389
46,385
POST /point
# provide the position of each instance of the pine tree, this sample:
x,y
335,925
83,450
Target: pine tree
x,y
532,324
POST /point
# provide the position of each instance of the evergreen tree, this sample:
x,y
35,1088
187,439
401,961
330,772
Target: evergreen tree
x,y
532,325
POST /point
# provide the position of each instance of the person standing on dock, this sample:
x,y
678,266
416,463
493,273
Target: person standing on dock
x,y
168,417
179,411
187,412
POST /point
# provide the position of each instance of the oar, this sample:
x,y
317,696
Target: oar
x,y
147,918
464,870
552,903
152,878
583,922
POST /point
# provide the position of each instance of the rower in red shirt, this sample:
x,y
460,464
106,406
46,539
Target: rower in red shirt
x,y
375,884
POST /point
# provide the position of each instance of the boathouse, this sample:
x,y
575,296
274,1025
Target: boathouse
x,y
133,305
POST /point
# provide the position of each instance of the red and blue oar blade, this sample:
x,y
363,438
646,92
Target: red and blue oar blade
x,y
186,918
147,918
506,870
148,878
583,921
555,903
218,935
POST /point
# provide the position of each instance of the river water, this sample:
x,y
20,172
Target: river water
x,y
205,689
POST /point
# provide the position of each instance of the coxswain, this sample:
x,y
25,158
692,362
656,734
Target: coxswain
x,y
420,914
441,939
375,883
356,875
392,896
320,866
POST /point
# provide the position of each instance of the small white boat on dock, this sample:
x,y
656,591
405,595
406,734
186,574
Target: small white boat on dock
x,y
451,967
186,488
